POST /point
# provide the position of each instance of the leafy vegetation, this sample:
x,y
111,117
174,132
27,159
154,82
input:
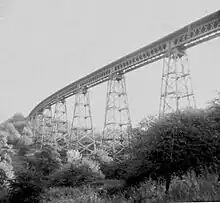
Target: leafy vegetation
x,y
175,158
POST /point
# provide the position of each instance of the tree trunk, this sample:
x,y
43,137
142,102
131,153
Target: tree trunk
x,y
168,180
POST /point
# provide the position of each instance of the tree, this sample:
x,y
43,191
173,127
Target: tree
x,y
33,173
18,121
174,145
5,156
145,123
214,115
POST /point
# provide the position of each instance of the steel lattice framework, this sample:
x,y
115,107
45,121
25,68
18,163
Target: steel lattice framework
x,y
47,128
37,124
117,125
43,128
176,85
82,135
195,33
60,123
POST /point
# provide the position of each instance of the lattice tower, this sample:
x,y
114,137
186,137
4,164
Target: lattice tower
x,y
34,124
82,135
37,123
39,129
47,128
117,125
60,124
176,86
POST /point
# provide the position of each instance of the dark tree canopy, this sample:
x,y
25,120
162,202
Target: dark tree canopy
x,y
175,144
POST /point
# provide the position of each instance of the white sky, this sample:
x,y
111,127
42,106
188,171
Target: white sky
x,y
47,44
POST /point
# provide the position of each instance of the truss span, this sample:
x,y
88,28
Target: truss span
x,y
197,32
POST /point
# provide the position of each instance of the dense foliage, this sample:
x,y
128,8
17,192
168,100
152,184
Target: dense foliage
x,y
179,154
174,145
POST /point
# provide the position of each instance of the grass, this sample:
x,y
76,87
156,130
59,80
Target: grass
x,y
189,188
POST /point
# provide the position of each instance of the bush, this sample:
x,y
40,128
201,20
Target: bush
x,y
26,187
101,156
73,176
25,140
189,188
63,155
32,174
3,187
6,171
13,134
196,189
45,161
4,195
68,195
6,167
77,159
105,163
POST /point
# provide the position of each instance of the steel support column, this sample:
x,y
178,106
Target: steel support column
x,y
117,125
33,121
176,86
46,127
82,135
60,124
37,123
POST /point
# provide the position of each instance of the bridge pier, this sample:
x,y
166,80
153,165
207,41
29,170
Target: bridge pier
x,y
176,85
37,121
34,124
117,125
82,135
60,124
46,127
42,127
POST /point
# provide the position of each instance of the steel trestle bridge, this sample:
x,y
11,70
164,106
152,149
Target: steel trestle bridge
x,y
175,85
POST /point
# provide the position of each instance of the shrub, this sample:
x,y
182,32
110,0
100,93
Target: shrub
x,y
13,134
19,122
101,156
189,188
26,187
193,188
27,131
103,161
25,140
68,195
5,159
45,161
73,176
74,157
6,171
32,175
63,155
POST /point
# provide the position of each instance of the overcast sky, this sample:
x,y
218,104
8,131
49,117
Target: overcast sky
x,y
47,44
